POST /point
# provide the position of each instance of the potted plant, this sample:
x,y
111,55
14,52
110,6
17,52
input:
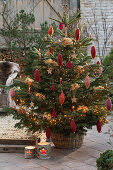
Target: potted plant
x,y
67,95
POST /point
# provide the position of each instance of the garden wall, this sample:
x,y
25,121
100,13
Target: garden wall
x,y
102,11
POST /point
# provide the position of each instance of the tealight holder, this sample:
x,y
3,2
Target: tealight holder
x,y
29,152
44,150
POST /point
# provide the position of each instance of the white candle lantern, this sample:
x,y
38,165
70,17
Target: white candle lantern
x,y
43,150
29,152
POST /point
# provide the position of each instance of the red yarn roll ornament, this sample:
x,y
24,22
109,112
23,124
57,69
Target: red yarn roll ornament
x,y
69,64
12,93
99,126
87,82
61,26
98,62
77,34
37,75
48,132
61,98
59,60
53,87
54,114
50,31
109,104
93,52
73,126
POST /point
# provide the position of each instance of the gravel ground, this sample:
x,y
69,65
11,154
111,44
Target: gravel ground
x,y
8,131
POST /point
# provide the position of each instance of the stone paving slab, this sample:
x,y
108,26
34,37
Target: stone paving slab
x,y
82,159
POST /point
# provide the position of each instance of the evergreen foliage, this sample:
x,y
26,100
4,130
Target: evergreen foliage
x,y
21,36
108,66
105,161
64,69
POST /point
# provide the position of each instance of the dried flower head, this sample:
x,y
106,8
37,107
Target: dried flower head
x,y
50,61
39,95
79,70
29,81
84,108
67,41
74,86
99,88
21,110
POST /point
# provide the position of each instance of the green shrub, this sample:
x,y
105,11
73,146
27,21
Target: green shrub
x,y
105,161
108,65
108,60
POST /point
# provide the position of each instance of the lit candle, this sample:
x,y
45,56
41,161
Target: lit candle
x,y
61,80
86,65
90,35
29,90
20,78
59,41
106,86
39,53
45,38
15,106
73,107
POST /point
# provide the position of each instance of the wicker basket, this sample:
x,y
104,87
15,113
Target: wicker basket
x,y
62,142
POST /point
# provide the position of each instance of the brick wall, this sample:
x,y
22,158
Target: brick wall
x,y
97,7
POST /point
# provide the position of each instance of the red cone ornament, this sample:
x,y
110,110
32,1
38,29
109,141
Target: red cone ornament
x,y
37,75
109,104
48,132
61,98
12,93
99,126
69,64
93,52
87,82
59,60
53,87
54,114
50,31
50,50
77,34
98,62
61,26
73,125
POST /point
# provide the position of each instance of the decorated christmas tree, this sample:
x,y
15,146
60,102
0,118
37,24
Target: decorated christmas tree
x,y
68,93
